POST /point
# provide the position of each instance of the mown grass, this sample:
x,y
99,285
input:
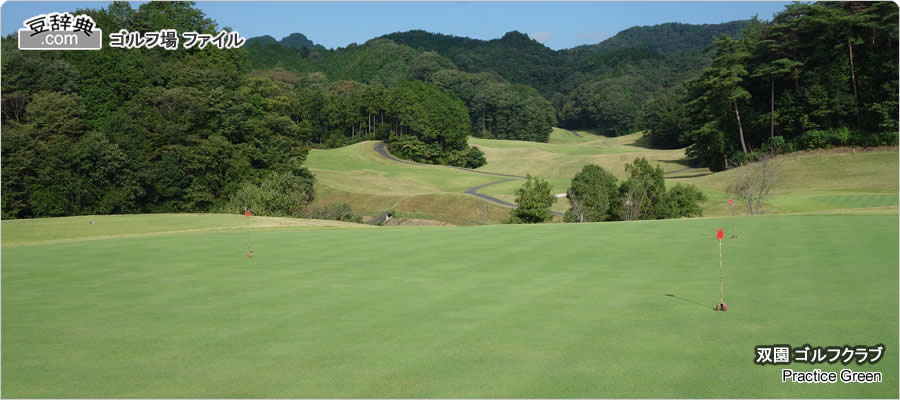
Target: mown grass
x,y
44,230
607,310
807,181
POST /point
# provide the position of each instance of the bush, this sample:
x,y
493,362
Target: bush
x,y
870,139
839,137
813,139
684,201
533,201
280,194
410,148
818,139
471,157
336,212
779,145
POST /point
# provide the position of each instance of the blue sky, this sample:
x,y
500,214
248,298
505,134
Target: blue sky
x,y
337,24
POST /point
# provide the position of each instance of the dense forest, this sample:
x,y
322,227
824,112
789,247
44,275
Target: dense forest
x,y
152,130
817,75
515,87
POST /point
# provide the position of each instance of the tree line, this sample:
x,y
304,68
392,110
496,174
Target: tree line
x,y
817,75
191,130
596,195
495,108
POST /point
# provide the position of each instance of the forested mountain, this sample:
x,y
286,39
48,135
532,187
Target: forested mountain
x,y
294,40
602,86
597,86
670,38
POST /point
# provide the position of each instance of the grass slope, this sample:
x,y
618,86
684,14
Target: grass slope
x,y
356,174
809,182
574,310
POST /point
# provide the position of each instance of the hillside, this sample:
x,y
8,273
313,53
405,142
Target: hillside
x,y
294,40
670,38
809,182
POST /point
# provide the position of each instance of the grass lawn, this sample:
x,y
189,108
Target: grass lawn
x,y
556,310
809,182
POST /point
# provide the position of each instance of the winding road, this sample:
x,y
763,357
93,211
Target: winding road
x,y
380,149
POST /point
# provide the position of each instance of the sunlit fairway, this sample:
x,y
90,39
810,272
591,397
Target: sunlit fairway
x,y
501,311
356,174
818,182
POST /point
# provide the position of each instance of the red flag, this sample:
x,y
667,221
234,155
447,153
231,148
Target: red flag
x,y
730,201
247,213
720,234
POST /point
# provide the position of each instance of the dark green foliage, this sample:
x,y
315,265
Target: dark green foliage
x,y
592,195
279,194
472,157
533,202
335,211
599,86
297,40
684,201
643,194
663,120
670,37
130,131
596,195
818,75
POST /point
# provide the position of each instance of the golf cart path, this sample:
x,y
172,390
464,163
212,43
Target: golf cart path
x,y
575,133
380,149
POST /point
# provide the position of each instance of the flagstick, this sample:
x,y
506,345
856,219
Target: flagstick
x,y
721,280
249,250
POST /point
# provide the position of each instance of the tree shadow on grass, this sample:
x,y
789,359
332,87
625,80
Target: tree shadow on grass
x,y
694,302
689,176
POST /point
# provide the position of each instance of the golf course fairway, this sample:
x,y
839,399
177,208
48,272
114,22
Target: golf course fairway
x,y
602,310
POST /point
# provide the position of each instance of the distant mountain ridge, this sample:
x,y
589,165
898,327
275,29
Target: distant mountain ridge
x,y
671,37
600,85
294,40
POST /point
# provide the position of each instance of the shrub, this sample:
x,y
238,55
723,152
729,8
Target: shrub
x,y
410,148
336,212
533,201
684,201
280,194
839,137
813,139
871,139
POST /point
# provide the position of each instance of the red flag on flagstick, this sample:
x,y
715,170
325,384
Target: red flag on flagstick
x,y
720,234
730,202
247,213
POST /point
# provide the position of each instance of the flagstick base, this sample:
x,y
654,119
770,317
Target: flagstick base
x,y
721,307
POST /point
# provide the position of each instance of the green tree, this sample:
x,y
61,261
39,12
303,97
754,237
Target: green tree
x,y
643,194
533,202
592,194
684,201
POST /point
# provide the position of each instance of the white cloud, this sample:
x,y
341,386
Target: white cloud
x,y
542,37
591,37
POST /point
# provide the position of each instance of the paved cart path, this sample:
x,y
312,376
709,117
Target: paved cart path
x,y
380,149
